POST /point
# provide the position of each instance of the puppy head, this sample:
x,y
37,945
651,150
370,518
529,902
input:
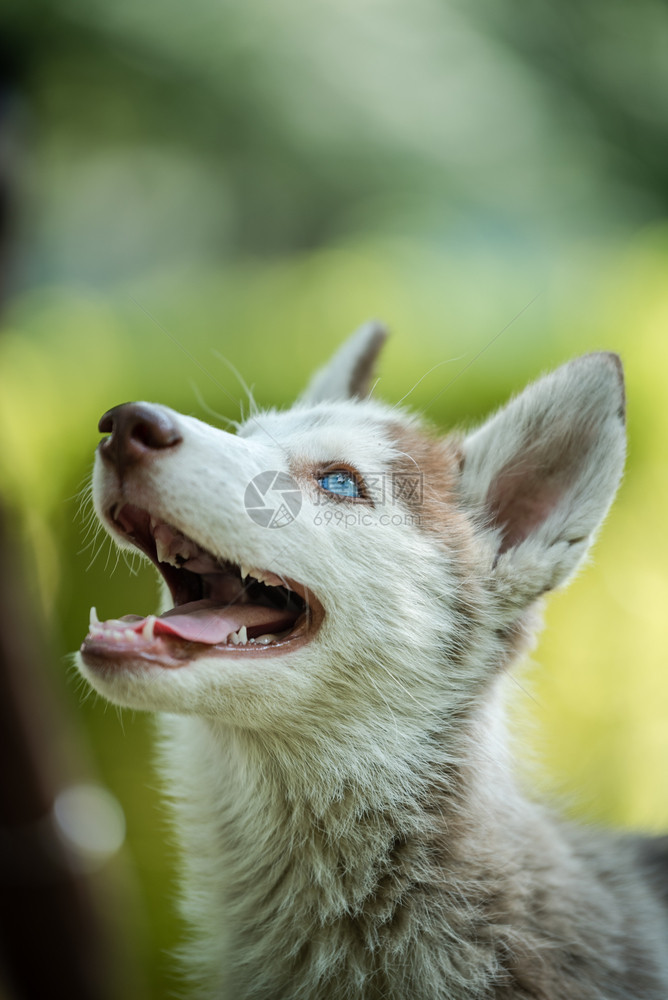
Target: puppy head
x,y
333,567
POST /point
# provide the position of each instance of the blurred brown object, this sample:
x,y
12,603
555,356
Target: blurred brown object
x,y
53,942
51,939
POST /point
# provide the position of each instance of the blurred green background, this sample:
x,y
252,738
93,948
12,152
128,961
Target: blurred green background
x,y
254,180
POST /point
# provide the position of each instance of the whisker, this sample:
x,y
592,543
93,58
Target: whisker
x,y
210,412
440,364
481,352
254,409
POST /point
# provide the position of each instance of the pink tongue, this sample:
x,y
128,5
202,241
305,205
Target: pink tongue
x,y
203,621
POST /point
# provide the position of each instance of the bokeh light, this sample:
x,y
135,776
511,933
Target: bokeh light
x,y
92,823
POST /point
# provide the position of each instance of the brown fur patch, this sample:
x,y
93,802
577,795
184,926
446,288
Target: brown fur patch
x,y
424,477
436,464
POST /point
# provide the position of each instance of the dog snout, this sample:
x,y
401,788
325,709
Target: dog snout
x,y
136,432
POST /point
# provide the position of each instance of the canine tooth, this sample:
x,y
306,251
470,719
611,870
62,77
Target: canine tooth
x,y
148,630
245,571
239,638
93,619
165,556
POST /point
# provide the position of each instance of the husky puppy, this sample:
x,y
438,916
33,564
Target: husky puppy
x,y
345,594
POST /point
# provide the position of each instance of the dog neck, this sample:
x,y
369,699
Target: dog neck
x,y
283,839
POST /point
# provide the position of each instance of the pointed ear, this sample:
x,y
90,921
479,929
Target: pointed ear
x,y
543,472
350,371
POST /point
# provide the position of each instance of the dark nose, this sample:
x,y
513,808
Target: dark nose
x,y
136,431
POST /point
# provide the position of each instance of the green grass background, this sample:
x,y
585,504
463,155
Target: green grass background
x,y
597,681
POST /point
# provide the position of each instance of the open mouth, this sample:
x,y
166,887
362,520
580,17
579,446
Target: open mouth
x,y
220,608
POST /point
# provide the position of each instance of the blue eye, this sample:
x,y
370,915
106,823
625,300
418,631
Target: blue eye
x,y
341,483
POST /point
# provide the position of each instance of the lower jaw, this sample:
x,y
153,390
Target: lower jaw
x,y
172,653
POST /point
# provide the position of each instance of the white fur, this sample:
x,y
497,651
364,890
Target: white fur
x,y
350,823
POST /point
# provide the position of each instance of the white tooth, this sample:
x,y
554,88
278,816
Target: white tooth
x,y
243,634
148,630
161,550
154,523
234,636
244,570
264,640
93,620
129,634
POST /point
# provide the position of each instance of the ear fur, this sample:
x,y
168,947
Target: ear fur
x,y
543,472
349,373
